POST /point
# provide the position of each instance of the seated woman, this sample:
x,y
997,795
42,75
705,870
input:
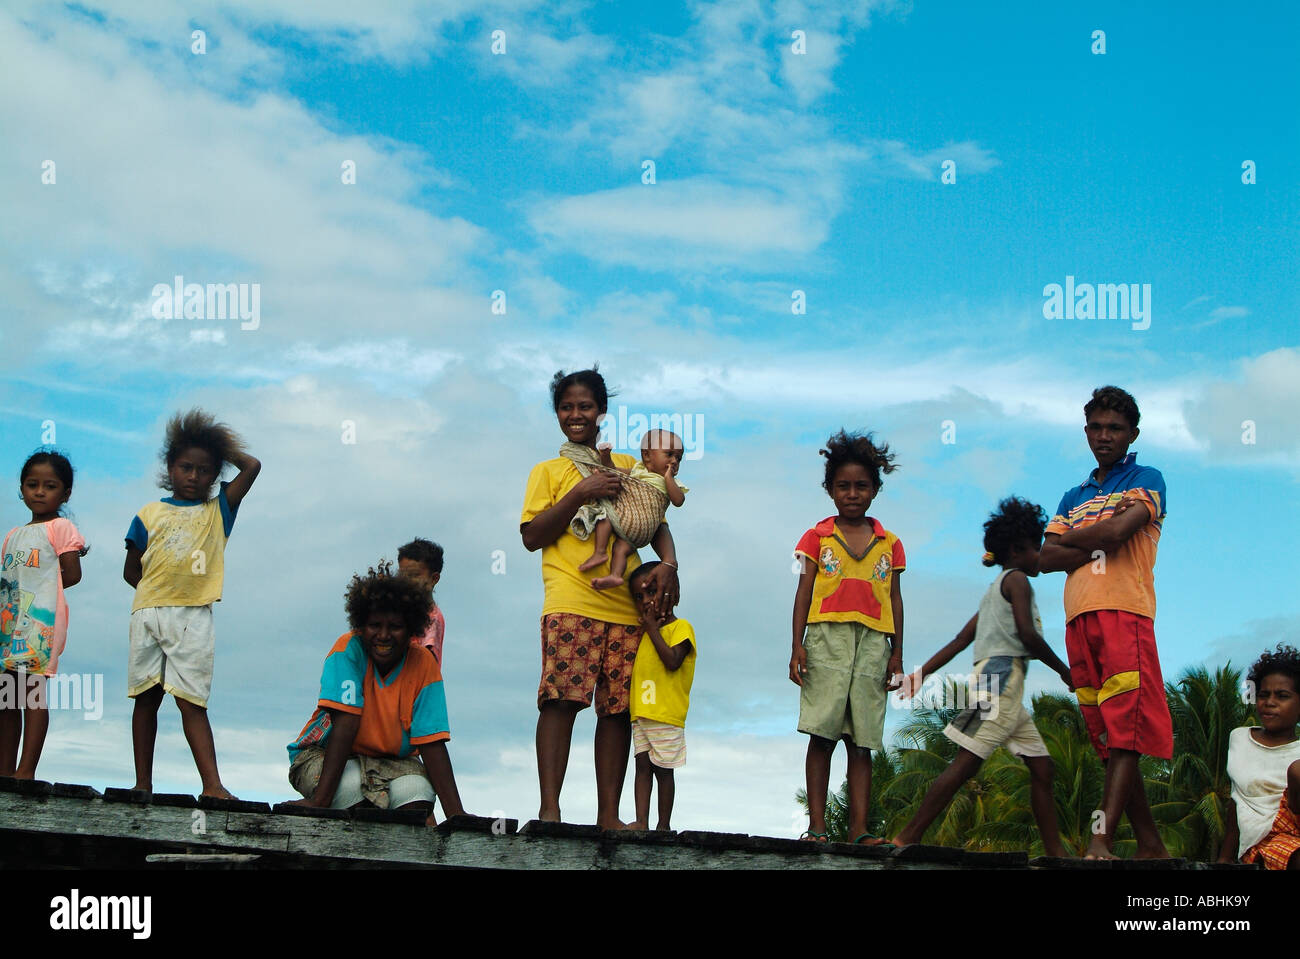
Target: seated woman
x,y
381,703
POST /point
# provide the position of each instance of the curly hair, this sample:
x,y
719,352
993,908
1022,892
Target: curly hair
x,y
844,448
198,429
1285,660
1113,398
423,551
380,590
1015,521
591,379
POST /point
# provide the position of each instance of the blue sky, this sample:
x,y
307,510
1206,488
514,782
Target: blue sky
x,y
522,172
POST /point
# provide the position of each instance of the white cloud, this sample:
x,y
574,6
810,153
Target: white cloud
x,y
681,223
1253,417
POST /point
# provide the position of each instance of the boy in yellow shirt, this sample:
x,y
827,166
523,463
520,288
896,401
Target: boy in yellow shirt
x,y
661,693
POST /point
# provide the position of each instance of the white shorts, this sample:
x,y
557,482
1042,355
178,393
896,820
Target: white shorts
x,y
172,646
666,744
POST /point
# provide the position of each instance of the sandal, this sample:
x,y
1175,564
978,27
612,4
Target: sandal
x,y
810,836
872,841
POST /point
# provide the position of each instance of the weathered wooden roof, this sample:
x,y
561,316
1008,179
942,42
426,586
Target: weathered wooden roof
x,y
64,825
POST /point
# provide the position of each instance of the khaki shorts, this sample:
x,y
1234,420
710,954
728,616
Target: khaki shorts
x,y
386,781
997,714
843,692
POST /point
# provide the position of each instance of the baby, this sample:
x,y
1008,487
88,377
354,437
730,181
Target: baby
x,y
639,509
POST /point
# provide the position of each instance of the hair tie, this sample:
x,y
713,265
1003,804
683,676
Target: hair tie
x,y
987,558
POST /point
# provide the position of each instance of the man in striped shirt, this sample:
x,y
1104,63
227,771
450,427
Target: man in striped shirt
x,y
1104,535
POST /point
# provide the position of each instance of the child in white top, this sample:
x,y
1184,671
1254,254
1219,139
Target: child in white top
x,y
1007,633
1264,766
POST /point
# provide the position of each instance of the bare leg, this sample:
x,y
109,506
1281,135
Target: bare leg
x,y
554,734
859,788
1123,791
613,742
144,730
667,791
940,793
11,723
1041,771
36,723
198,733
817,777
1149,843
600,547
644,783
617,566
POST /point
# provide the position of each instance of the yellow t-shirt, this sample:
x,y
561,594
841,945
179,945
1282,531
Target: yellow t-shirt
x,y
849,589
567,590
658,693
183,545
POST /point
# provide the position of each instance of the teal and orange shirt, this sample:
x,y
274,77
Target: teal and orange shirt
x,y
849,588
399,712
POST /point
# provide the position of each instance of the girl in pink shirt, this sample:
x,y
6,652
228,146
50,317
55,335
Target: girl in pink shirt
x,y
40,560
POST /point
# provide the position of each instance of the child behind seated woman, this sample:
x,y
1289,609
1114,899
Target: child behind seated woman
x,y
639,509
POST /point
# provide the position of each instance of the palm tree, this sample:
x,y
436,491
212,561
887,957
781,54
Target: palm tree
x,y
1188,793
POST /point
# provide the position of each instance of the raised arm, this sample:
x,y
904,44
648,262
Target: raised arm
x,y
1020,593
238,487
671,656
675,494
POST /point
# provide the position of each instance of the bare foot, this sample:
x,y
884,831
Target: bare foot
x,y
638,824
1098,849
896,842
592,561
142,787
611,824
221,792
549,815
607,582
